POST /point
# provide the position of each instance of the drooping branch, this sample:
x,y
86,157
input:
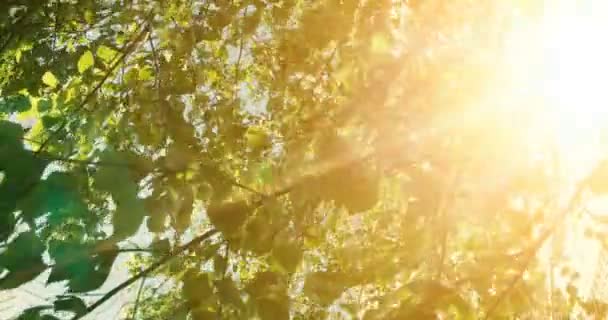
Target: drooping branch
x,y
87,162
188,246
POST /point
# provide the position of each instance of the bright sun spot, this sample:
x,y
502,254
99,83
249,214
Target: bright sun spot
x,y
561,62
576,69
571,49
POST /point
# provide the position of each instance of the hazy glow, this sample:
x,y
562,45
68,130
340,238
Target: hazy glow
x,y
575,78
573,85
558,68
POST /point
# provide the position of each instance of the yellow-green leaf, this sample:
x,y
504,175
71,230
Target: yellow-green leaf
x,y
106,54
145,74
49,79
86,61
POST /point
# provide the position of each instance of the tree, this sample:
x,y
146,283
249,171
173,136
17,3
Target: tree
x,y
305,148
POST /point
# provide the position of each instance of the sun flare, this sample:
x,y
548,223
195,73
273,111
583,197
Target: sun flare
x,y
575,76
560,61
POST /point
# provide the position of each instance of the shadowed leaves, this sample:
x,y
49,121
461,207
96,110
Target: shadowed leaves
x,y
22,259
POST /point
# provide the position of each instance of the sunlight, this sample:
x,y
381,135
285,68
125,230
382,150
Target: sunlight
x,y
572,83
574,79
560,64
552,87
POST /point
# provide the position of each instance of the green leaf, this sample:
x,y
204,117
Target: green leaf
x,y
70,259
257,138
58,196
17,103
34,313
23,259
86,61
145,74
49,121
10,133
161,246
230,216
127,218
49,79
269,293
106,54
25,250
157,208
197,288
259,234
325,287
15,279
119,182
276,308
83,270
71,304
361,193
287,252
44,105
229,292
185,204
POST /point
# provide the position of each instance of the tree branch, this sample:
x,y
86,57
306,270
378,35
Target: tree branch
x,y
125,52
237,65
87,162
190,245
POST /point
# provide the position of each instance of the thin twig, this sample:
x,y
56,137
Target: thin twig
x,y
156,63
86,161
141,288
237,65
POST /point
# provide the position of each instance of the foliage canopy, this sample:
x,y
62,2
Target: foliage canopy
x,y
288,159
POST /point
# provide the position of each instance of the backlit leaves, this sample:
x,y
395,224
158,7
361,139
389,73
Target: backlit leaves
x,y
287,251
197,289
106,54
326,286
268,292
49,79
229,217
85,61
260,120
